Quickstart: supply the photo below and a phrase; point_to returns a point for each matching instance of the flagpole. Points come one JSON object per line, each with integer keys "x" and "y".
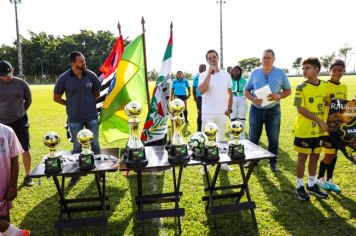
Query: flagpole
{"x": 119, "y": 27}
{"x": 144, "y": 56}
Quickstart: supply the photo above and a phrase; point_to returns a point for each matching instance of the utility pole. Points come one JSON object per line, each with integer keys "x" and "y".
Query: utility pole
{"x": 221, "y": 2}
{"x": 19, "y": 49}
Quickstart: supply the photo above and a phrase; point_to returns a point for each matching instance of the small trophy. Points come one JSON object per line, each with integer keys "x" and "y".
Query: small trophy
{"x": 178, "y": 149}
{"x": 236, "y": 149}
{"x": 53, "y": 160}
{"x": 134, "y": 152}
{"x": 86, "y": 157}
{"x": 211, "y": 151}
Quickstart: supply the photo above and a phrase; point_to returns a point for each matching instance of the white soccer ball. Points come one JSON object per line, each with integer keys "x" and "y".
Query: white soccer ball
{"x": 196, "y": 142}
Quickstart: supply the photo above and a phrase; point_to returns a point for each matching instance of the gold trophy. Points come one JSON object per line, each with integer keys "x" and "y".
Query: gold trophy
{"x": 86, "y": 157}
{"x": 178, "y": 149}
{"x": 211, "y": 151}
{"x": 236, "y": 149}
{"x": 134, "y": 152}
{"x": 53, "y": 160}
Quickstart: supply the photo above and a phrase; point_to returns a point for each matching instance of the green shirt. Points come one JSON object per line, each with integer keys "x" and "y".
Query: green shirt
{"x": 238, "y": 86}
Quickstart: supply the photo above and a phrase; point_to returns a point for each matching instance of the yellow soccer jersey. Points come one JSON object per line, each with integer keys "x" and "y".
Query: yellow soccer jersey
{"x": 311, "y": 97}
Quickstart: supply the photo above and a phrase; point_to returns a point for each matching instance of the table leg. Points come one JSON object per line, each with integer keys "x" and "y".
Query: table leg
{"x": 176, "y": 183}
{"x": 140, "y": 202}
{"x": 63, "y": 204}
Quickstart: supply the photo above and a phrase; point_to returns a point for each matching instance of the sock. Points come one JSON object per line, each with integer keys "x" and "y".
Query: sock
{"x": 185, "y": 115}
{"x": 12, "y": 231}
{"x": 311, "y": 181}
{"x": 299, "y": 182}
{"x": 322, "y": 169}
{"x": 330, "y": 169}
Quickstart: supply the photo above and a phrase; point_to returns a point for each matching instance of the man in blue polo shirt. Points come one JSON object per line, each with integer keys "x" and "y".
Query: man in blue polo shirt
{"x": 81, "y": 87}
{"x": 197, "y": 94}
{"x": 269, "y": 115}
{"x": 179, "y": 89}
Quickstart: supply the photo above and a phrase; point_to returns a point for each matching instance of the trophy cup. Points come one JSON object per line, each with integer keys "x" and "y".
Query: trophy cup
{"x": 86, "y": 157}
{"x": 236, "y": 149}
{"x": 134, "y": 152}
{"x": 53, "y": 160}
{"x": 211, "y": 151}
{"x": 178, "y": 149}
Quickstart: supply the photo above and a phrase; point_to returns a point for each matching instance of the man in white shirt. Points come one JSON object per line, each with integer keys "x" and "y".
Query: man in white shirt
{"x": 215, "y": 86}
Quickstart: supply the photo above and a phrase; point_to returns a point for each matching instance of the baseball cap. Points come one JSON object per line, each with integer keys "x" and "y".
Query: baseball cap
{"x": 5, "y": 68}
{"x": 337, "y": 62}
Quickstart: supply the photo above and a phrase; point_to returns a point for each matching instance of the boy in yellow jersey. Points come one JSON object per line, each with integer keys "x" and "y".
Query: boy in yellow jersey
{"x": 309, "y": 126}
{"x": 334, "y": 90}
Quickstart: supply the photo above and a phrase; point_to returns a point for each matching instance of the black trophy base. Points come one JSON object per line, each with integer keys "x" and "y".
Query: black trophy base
{"x": 86, "y": 162}
{"x": 211, "y": 154}
{"x": 178, "y": 154}
{"x": 53, "y": 165}
{"x": 236, "y": 152}
{"x": 135, "y": 157}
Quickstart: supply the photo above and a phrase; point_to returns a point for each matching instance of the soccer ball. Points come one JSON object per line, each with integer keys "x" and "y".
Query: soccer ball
{"x": 236, "y": 127}
{"x": 196, "y": 143}
{"x": 51, "y": 139}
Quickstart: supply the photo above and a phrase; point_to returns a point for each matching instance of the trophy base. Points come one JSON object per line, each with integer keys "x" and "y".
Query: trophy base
{"x": 135, "y": 157}
{"x": 211, "y": 154}
{"x": 53, "y": 165}
{"x": 236, "y": 152}
{"x": 86, "y": 162}
{"x": 178, "y": 154}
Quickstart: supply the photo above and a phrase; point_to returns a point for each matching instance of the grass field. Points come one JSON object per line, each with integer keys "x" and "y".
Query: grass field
{"x": 278, "y": 211}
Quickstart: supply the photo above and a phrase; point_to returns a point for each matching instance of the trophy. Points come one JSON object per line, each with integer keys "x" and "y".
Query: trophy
{"x": 86, "y": 157}
{"x": 134, "y": 152}
{"x": 53, "y": 160}
{"x": 236, "y": 149}
{"x": 178, "y": 149}
{"x": 211, "y": 151}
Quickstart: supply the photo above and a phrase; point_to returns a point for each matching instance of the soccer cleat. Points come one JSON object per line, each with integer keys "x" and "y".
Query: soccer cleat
{"x": 226, "y": 167}
{"x": 302, "y": 195}
{"x": 316, "y": 191}
{"x": 332, "y": 186}
{"x": 322, "y": 184}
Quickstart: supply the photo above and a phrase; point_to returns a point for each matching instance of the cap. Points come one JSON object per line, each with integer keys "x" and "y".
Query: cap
{"x": 5, "y": 68}
{"x": 337, "y": 62}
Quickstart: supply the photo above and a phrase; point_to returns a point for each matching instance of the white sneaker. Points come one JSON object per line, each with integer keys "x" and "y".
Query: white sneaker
{"x": 226, "y": 167}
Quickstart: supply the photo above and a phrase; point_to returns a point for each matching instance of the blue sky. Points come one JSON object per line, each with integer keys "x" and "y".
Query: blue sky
{"x": 292, "y": 28}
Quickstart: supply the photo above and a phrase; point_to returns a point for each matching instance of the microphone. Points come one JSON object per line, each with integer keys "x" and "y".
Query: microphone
{"x": 212, "y": 72}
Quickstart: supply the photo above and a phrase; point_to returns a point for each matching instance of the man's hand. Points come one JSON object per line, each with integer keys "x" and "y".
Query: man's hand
{"x": 11, "y": 193}
{"x": 273, "y": 97}
{"x": 257, "y": 101}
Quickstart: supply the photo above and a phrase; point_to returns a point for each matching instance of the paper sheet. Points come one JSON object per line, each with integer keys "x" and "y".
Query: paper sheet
{"x": 262, "y": 93}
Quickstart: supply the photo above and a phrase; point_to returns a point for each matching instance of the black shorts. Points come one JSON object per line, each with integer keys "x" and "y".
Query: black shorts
{"x": 181, "y": 97}
{"x": 20, "y": 127}
{"x": 308, "y": 145}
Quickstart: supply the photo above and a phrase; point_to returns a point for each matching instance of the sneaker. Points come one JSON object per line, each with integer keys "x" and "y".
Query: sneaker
{"x": 273, "y": 166}
{"x": 73, "y": 181}
{"x": 322, "y": 184}
{"x": 315, "y": 190}
{"x": 27, "y": 181}
{"x": 25, "y": 232}
{"x": 226, "y": 167}
{"x": 302, "y": 195}
{"x": 332, "y": 186}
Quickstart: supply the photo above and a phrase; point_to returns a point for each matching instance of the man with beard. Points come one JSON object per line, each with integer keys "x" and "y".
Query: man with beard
{"x": 81, "y": 87}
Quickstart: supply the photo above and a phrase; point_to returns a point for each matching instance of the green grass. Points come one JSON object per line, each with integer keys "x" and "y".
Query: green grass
{"x": 278, "y": 210}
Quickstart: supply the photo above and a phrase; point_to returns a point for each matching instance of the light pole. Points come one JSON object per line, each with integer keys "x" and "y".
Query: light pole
{"x": 19, "y": 50}
{"x": 221, "y": 2}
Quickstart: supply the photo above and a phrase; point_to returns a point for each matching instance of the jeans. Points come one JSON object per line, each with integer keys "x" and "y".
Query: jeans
{"x": 93, "y": 126}
{"x": 271, "y": 117}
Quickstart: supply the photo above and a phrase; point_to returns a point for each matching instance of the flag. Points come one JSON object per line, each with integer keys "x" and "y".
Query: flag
{"x": 128, "y": 84}
{"x": 155, "y": 128}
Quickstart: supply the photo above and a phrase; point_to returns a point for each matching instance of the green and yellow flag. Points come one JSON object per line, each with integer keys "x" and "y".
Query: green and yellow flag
{"x": 128, "y": 84}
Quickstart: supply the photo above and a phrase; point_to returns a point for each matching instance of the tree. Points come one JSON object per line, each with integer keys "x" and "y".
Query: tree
{"x": 344, "y": 51}
{"x": 297, "y": 64}
{"x": 326, "y": 60}
{"x": 248, "y": 64}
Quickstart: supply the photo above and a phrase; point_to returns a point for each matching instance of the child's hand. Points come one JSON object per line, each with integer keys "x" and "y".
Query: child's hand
{"x": 323, "y": 126}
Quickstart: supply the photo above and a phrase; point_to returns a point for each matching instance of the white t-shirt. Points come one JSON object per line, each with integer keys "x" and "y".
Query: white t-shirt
{"x": 215, "y": 98}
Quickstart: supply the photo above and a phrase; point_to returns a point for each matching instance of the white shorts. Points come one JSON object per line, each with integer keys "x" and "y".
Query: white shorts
{"x": 219, "y": 119}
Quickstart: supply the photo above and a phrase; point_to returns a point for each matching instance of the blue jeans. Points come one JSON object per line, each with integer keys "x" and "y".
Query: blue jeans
{"x": 271, "y": 118}
{"x": 93, "y": 126}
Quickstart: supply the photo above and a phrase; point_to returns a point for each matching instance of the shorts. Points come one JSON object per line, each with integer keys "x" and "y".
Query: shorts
{"x": 181, "y": 97}
{"x": 308, "y": 145}
{"x": 328, "y": 146}
{"x": 20, "y": 127}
